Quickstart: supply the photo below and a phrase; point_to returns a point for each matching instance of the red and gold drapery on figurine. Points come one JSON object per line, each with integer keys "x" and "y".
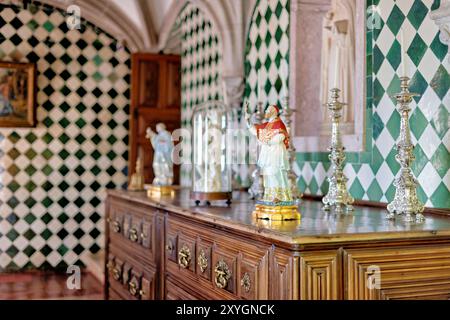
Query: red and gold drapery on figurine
{"x": 277, "y": 202}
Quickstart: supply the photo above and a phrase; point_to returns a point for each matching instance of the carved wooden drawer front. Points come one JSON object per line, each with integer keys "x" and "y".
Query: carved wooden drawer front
{"x": 398, "y": 273}
{"x": 216, "y": 263}
{"x": 130, "y": 281}
{"x": 175, "y": 292}
{"x": 133, "y": 227}
{"x": 320, "y": 275}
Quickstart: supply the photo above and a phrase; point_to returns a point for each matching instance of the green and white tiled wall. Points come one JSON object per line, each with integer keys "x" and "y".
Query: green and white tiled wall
{"x": 53, "y": 177}
{"x": 200, "y": 66}
{"x": 266, "y": 51}
{"x": 266, "y": 54}
{"x": 371, "y": 173}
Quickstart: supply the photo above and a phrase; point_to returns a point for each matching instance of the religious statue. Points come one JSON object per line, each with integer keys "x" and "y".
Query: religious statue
{"x": 162, "y": 144}
{"x": 277, "y": 202}
{"x": 338, "y": 60}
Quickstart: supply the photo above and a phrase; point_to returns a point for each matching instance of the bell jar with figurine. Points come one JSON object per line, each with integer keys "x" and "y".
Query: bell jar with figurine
{"x": 212, "y": 172}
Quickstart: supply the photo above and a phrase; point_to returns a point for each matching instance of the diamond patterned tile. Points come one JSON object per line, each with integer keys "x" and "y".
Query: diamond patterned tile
{"x": 429, "y": 122}
{"x": 201, "y": 63}
{"x": 32, "y": 192}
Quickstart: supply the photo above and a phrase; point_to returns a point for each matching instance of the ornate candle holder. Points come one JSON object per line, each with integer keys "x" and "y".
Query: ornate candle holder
{"x": 338, "y": 195}
{"x": 405, "y": 201}
{"x": 256, "y": 190}
{"x": 292, "y": 176}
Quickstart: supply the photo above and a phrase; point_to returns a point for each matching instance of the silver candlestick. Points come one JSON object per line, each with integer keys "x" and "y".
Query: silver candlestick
{"x": 292, "y": 176}
{"x": 256, "y": 190}
{"x": 405, "y": 201}
{"x": 338, "y": 195}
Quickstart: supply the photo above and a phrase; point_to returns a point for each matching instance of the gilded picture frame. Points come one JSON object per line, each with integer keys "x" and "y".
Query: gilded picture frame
{"x": 17, "y": 94}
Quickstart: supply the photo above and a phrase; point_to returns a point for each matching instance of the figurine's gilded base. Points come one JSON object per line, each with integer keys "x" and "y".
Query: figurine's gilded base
{"x": 276, "y": 212}
{"x": 153, "y": 190}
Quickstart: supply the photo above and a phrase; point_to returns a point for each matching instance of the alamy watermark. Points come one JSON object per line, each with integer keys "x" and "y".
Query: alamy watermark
{"x": 74, "y": 279}
{"x": 373, "y": 277}
{"x": 373, "y": 18}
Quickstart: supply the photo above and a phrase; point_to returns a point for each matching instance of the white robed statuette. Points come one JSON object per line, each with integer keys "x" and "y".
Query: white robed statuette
{"x": 162, "y": 144}
{"x": 277, "y": 202}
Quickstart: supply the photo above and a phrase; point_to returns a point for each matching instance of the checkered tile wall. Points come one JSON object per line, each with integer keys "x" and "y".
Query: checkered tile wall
{"x": 267, "y": 49}
{"x": 53, "y": 177}
{"x": 371, "y": 173}
{"x": 201, "y": 67}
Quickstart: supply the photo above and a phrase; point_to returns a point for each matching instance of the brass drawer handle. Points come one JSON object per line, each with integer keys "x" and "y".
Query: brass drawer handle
{"x": 116, "y": 274}
{"x": 223, "y": 274}
{"x": 110, "y": 265}
{"x": 184, "y": 257}
{"x": 246, "y": 283}
{"x": 202, "y": 261}
{"x": 133, "y": 288}
{"x": 133, "y": 235}
{"x": 116, "y": 226}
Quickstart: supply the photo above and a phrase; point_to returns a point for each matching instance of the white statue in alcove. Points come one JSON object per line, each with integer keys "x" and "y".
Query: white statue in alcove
{"x": 338, "y": 47}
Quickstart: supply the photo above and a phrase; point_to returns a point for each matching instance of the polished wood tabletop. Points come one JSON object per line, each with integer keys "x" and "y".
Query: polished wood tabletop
{"x": 316, "y": 226}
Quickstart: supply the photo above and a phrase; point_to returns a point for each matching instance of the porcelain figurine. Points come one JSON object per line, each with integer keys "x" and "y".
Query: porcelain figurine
{"x": 162, "y": 144}
{"x": 277, "y": 202}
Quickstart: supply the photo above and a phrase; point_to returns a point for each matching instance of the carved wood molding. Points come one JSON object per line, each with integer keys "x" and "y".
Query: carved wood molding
{"x": 441, "y": 17}
{"x": 107, "y": 16}
{"x": 319, "y": 276}
{"x": 397, "y": 273}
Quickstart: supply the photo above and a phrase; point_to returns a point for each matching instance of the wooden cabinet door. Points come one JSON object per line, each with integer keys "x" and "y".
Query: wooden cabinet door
{"x": 155, "y": 97}
{"x": 416, "y": 272}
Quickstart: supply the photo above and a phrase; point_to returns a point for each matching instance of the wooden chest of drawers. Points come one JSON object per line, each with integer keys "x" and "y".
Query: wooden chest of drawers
{"x": 166, "y": 248}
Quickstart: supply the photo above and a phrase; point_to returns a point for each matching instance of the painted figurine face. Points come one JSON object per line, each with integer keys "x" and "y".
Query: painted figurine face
{"x": 160, "y": 127}
{"x": 270, "y": 112}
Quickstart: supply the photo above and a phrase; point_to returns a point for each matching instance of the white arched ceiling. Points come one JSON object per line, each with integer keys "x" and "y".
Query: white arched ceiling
{"x": 110, "y": 17}
{"x": 131, "y": 9}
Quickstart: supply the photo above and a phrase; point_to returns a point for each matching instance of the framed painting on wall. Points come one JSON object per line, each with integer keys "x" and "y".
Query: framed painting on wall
{"x": 17, "y": 94}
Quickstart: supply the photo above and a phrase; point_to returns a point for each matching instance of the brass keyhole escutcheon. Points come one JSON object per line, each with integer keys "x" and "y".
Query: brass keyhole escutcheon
{"x": 170, "y": 246}
{"x": 246, "y": 282}
{"x": 223, "y": 274}
{"x": 202, "y": 261}
{"x": 184, "y": 257}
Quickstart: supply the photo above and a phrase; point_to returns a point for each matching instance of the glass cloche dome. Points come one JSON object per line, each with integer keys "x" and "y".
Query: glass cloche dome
{"x": 211, "y": 150}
